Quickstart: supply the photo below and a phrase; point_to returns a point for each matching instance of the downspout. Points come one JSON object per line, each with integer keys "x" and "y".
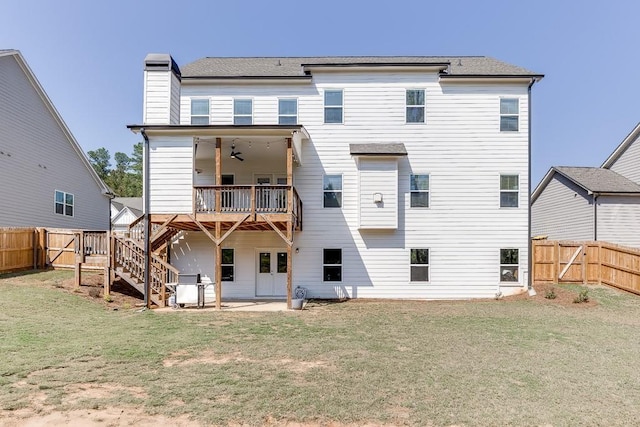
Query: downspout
{"x": 147, "y": 224}
{"x": 530, "y": 242}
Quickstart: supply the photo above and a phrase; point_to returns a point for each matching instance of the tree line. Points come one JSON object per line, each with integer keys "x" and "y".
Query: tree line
{"x": 125, "y": 178}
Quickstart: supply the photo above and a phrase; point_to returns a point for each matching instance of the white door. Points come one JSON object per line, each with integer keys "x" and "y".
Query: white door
{"x": 271, "y": 280}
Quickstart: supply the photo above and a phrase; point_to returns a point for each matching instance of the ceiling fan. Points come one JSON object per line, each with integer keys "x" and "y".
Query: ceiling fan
{"x": 235, "y": 154}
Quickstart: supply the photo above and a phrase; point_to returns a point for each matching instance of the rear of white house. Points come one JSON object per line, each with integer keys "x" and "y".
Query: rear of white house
{"x": 358, "y": 177}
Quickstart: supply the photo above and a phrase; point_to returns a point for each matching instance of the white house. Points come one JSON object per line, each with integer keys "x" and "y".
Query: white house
{"x": 124, "y": 211}
{"x": 589, "y": 203}
{"x": 358, "y": 177}
{"x": 47, "y": 180}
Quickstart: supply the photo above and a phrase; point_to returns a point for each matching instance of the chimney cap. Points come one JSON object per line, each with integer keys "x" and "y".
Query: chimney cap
{"x": 161, "y": 62}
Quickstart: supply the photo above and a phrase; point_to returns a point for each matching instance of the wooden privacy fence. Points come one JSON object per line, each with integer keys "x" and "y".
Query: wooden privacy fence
{"x": 586, "y": 262}
{"x": 34, "y": 248}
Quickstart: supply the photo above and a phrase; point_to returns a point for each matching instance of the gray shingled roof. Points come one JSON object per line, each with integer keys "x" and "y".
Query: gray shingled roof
{"x": 599, "y": 180}
{"x": 391, "y": 149}
{"x": 134, "y": 203}
{"x": 293, "y": 66}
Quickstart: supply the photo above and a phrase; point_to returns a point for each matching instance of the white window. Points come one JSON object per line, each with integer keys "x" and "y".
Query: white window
{"x": 332, "y": 265}
{"x": 199, "y": 111}
{"x": 415, "y": 105}
{"x": 333, "y": 104}
{"x": 509, "y": 114}
{"x": 332, "y": 189}
{"x": 509, "y": 261}
{"x": 419, "y": 191}
{"x": 287, "y": 111}
{"x": 63, "y": 203}
{"x": 419, "y": 265}
{"x": 509, "y": 191}
{"x": 228, "y": 266}
{"x": 242, "y": 111}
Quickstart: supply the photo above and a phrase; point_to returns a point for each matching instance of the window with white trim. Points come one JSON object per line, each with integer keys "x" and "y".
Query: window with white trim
{"x": 227, "y": 267}
{"x": 199, "y": 111}
{"x": 332, "y": 191}
{"x": 509, "y": 191}
{"x": 509, "y": 113}
{"x": 63, "y": 203}
{"x": 415, "y": 105}
{"x": 332, "y": 265}
{"x": 333, "y": 106}
{"x": 419, "y": 265}
{"x": 287, "y": 111}
{"x": 419, "y": 191}
{"x": 509, "y": 262}
{"x": 243, "y": 111}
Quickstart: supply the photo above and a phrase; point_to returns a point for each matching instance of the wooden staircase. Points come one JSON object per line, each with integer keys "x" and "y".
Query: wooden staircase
{"x": 128, "y": 264}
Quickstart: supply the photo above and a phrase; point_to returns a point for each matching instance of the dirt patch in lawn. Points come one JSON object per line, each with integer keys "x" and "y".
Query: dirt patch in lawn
{"x": 562, "y": 295}
{"x": 182, "y": 358}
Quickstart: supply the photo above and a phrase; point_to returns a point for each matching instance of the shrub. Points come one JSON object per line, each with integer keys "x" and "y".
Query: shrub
{"x": 583, "y": 296}
{"x": 550, "y": 294}
{"x": 108, "y": 298}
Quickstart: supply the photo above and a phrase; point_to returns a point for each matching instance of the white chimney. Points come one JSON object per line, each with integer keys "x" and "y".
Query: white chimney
{"x": 161, "y": 103}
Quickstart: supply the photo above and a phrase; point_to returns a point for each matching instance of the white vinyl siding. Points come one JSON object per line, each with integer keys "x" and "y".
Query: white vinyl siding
{"x": 619, "y": 220}
{"x": 627, "y": 164}
{"x": 563, "y": 211}
{"x": 378, "y": 182}
{"x": 171, "y": 175}
{"x": 462, "y": 149}
{"x": 37, "y": 158}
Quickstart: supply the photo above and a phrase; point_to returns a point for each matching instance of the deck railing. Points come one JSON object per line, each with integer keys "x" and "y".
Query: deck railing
{"x": 245, "y": 198}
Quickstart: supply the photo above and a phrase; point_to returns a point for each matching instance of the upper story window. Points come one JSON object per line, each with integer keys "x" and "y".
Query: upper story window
{"x": 63, "y": 203}
{"x": 509, "y": 260}
{"x": 419, "y": 191}
{"x": 415, "y": 105}
{"x": 332, "y": 188}
{"x": 199, "y": 111}
{"x": 509, "y": 191}
{"x": 287, "y": 111}
{"x": 242, "y": 111}
{"x": 333, "y": 106}
{"x": 509, "y": 114}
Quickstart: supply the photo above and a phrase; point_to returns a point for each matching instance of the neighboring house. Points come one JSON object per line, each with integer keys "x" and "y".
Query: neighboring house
{"x": 47, "y": 181}
{"x": 124, "y": 211}
{"x": 360, "y": 177}
{"x": 589, "y": 203}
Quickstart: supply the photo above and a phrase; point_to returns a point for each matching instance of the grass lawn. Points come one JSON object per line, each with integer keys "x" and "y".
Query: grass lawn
{"x": 522, "y": 361}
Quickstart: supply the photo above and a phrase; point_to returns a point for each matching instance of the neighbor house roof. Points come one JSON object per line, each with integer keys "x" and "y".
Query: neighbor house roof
{"x": 620, "y": 149}
{"x": 299, "y": 67}
{"x": 131, "y": 202}
{"x": 594, "y": 180}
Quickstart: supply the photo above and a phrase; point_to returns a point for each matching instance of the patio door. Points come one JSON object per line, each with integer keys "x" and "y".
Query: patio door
{"x": 271, "y": 276}
{"x": 271, "y": 199}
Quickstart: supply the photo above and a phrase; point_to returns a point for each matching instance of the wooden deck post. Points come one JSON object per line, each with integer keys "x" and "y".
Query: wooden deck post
{"x": 218, "y": 174}
{"x": 218, "y": 267}
{"x": 290, "y": 221}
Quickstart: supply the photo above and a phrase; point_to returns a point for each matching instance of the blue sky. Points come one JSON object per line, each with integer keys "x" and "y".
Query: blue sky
{"x": 88, "y": 55}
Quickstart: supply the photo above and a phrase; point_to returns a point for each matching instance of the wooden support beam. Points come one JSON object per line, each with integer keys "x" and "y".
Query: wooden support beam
{"x": 218, "y": 172}
{"x": 233, "y": 227}
{"x": 164, "y": 225}
{"x": 288, "y": 240}
{"x": 78, "y": 275}
{"x": 204, "y": 229}
{"x": 289, "y": 265}
{"x": 218, "y": 268}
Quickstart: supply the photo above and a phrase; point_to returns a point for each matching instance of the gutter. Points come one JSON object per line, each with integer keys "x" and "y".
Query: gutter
{"x": 594, "y": 197}
{"x": 147, "y": 224}
{"x": 530, "y": 242}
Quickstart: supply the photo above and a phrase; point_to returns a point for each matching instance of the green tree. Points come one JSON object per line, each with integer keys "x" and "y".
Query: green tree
{"x": 100, "y": 160}
{"x": 125, "y": 180}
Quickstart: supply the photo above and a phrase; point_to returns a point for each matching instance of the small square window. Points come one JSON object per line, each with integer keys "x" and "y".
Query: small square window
{"x": 419, "y": 265}
{"x": 242, "y": 111}
{"x": 509, "y": 114}
{"x": 199, "y": 111}
{"x": 287, "y": 111}
{"x": 509, "y": 262}
{"x": 509, "y": 192}
{"x": 63, "y": 203}
{"x": 332, "y": 191}
{"x": 415, "y": 105}
{"x": 419, "y": 191}
{"x": 332, "y": 265}
{"x": 333, "y": 106}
